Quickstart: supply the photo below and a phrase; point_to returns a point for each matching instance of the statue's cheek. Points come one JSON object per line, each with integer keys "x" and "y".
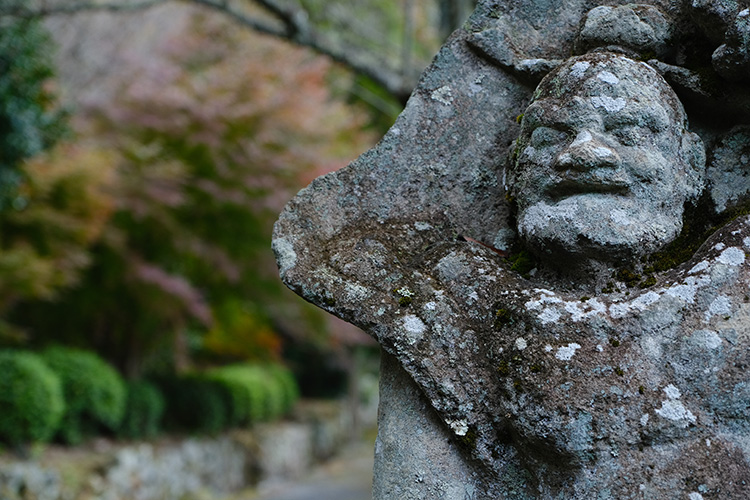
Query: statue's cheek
{"x": 647, "y": 164}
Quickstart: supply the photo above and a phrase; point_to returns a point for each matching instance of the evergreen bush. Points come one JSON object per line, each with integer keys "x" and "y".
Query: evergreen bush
{"x": 289, "y": 388}
{"x": 94, "y": 392}
{"x": 260, "y": 392}
{"x": 31, "y": 398}
{"x": 195, "y": 403}
{"x": 246, "y": 388}
{"x": 143, "y": 411}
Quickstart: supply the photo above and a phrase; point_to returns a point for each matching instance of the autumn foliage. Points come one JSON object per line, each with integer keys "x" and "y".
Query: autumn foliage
{"x": 148, "y": 239}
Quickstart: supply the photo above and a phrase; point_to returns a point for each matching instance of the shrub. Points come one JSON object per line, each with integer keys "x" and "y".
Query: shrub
{"x": 94, "y": 392}
{"x": 247, "y": 393}
{"x": 195, "y": 403}
{"x": 260, "y": 392}
{"x": 143, "y": 411}
{"x": 289, "y": 387}
{"x": 31, "y": 398}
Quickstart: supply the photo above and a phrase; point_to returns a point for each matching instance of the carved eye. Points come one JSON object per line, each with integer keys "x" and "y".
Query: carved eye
{"x": 629, "y": 135}
{"x": 546, "y": 137}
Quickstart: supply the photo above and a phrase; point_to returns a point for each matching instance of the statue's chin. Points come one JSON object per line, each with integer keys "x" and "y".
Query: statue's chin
{"x": 605, "y": 228}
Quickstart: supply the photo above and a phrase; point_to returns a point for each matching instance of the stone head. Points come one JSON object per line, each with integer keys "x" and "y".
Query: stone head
{"x": 604, "y": 164}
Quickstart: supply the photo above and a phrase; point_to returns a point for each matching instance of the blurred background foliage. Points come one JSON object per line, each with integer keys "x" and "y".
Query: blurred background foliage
{"x": 136, "y": 216}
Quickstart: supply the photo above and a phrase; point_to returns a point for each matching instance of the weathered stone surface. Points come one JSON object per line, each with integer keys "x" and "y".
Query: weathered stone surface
{"x": 640, "y": 27}
{"x": 415, "y": 455}
{"x": 583, "y": 373}
{"x": 729, "y": 170}
{"x": 727, "y": 22}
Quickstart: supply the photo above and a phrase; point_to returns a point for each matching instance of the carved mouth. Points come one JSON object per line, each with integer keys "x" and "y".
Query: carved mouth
{"x": 575, "y": 186}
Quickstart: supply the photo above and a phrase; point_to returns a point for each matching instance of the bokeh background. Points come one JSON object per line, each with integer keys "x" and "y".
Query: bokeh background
{"x": 146, "y": 148}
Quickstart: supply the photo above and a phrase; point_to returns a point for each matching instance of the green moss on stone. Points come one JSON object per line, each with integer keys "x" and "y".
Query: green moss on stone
{"x": 503, "y": 368}
{"x": 629, "y": 277}
{"x": 503, "y": 317}
{"x": 522, "y": 263}
{"x": 649, "y": 281}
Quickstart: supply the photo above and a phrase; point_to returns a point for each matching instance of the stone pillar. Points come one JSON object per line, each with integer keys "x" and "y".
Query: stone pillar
{"x": 416, "y": 457}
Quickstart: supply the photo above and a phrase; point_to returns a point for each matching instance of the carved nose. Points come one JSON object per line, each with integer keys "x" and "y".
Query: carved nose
{"x": 587, "y": 152}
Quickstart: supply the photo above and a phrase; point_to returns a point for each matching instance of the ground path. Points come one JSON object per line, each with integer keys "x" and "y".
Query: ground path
{"x": 348, "y": 476}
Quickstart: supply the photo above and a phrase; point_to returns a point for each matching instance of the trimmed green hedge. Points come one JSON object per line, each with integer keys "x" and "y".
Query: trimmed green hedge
{"x": 71, "y": 394}
{"x": 247, "y": 395}
{"x": 31, "y": 398}
{"x": 195, "y": 404}
{"x": 289, "y": 388}
{"x": 258, "y": 392}
{"x": 143, "y": 411}
{"x": 94, "y": 392}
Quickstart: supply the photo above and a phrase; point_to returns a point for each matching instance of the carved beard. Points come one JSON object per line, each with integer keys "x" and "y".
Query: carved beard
{"x": 597, "y": 227}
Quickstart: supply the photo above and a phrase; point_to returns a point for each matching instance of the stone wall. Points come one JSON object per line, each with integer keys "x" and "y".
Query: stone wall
{"x": 184, "y": 468}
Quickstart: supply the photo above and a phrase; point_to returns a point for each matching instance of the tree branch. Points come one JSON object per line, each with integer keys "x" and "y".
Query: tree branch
{"x": 298, "y": 30}
{"x": 293, "y": 25}
{"x": 29, "y": 11}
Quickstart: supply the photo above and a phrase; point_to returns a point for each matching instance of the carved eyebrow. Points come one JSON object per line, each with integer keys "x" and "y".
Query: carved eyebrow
{"x": 655, "y": 118}
{"x": 533, "y": 113}
{"x": 540, "y": 113}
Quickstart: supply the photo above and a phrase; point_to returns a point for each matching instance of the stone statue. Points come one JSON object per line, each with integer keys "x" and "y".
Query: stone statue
{"x": 525, "y": 253}
{"x": 604, "y": 164}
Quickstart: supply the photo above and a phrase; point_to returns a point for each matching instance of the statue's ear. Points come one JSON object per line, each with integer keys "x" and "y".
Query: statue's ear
{"x": 693, "y": 156}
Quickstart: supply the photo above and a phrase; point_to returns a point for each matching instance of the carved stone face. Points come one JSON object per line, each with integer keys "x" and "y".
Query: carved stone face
{"x": 604, "y": 163}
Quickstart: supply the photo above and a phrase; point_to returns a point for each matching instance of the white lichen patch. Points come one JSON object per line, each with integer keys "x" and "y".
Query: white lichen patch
{"x": 644, "y": 419}
{"x": 567, "y": 352}
{"x": 645, "y": 300}
{"x": 707, "y": 338}
{"x": 549, "y": 315}
{"x": 640, "y": 303}
{"x": 422, "y": 226}
{"x": 732, "y": 256}
{"x": 700, "y": 266}
{"x": 583, "y": 310}
{"x": 521, "y": 343}
{"x": 673, "y": 409}
{"x": 608, "y": 77}
{"x": 414, "y": 328}
{"x": 609, "y": 104}
{"x": 443, "y": 95}
{"x": 583, "y": 137}
{"x": 695, "y": 496}
{"x": 285, "y": 254}
{"x": 672, "y": 392}
{"x": 579, "y": 69}
{"x": 620, "y": 217}
{"x": 619, "y": 310}
{"x": 430, "y": 306}
{"x": 546, "y": 297}
{"x": 746, "y": 241}
{"x": 719, "y": 246}
{"x": 356, "y": 292}
{"x": 721, "y": 306}
{"x": 548, "y": 348}
{"x": 686, "y": 291}
{"x": 460, "y": 427}
{"x": 601, "y": 152}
